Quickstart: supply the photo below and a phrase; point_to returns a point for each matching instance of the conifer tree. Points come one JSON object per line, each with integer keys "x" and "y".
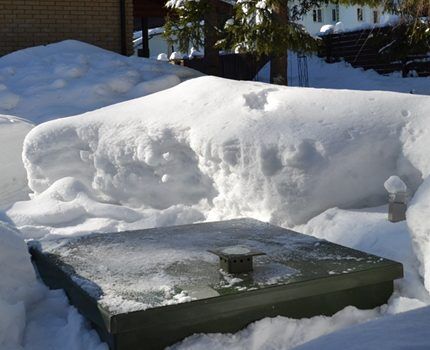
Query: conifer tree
{"x": 266, "y": 27}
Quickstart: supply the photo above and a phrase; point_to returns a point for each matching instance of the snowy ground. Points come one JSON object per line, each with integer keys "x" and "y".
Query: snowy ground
{"x": 218, "y": 149}
{"x": 342, "y": 76}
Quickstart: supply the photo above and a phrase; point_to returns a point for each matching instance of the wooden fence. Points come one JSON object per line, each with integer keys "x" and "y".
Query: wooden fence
{"x": 365, "y": 49}
{"x": 231, "y": 66}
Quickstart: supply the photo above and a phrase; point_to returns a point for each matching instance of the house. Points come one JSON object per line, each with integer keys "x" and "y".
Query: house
{"x": 352, "y": 17}
{"x": 109, "y": 23}
{"x": 105, "y": 23}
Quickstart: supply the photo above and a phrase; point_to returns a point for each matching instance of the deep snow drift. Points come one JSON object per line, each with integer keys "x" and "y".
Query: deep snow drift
{"x": 70, "y": 77}
{"x": 63, "y": 79}
{"x": 273, "y": 153}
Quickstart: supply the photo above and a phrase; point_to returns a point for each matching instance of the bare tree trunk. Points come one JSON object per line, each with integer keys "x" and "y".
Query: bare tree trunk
{"x": 279, "y": 63}
{"x": 279, "y": 70}
{"x": 211, "y": 53}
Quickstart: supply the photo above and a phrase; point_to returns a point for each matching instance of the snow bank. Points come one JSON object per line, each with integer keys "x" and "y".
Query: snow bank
{"x": 273, "y": 153}
{"x": 28, "y": 308}
{"x": 53, "y": 324}
{"x": 17, "y": 287}
{"x": 71, "y": 77}
{"x": 419, "y": 225}
{"x": 13, "y": 178}
{"x": 408, "y": 330}
{"x": 277, "y": 333}
{"x": 417, "y": 143}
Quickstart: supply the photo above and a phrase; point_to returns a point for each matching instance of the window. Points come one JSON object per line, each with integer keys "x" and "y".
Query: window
{"x": 375, "y": 17}
{"x": 335, "y": 14}
{"x": 360, "y": 14}
{"x": 317, "y": 15}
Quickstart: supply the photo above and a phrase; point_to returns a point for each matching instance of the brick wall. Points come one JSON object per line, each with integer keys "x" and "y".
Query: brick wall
{"x": 26, "y": 23}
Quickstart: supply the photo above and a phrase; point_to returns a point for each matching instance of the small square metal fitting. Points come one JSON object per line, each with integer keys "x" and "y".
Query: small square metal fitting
{"x": 236, "y": 259}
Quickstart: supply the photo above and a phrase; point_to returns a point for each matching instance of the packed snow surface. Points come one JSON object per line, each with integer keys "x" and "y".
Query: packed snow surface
{"x": 70, "y": 77}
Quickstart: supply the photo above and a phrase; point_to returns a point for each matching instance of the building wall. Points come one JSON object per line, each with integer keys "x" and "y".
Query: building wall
{"x": 347, "y": 15}
{"x": 26, "y": 23}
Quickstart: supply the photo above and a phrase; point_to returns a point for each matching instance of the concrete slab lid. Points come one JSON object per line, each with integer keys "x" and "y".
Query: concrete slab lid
{"x": 147, "y": 269}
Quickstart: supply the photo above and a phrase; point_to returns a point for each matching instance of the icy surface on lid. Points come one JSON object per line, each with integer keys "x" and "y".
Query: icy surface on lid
{"x": 236, "y": 250}
{"x": 137, "y": 270}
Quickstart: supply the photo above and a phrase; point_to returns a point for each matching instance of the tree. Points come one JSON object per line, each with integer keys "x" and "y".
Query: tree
{"x": 263, "y": 27}
{"x": 415, "y": 16}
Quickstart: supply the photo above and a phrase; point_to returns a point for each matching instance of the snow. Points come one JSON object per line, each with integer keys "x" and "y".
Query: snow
{"x": 236, "y": 250}
{"x": 327, "y": 29}
{"x": 405, "y": 331}
{"x": 195, "y": 53}
{"x": 276, "y": 333}
{"x": 45, "y": 82}
{"x": 17, "y": 285}
{"x": 395, "y": 184}
{"x": 27, "y": 307}
{"x": 53, "y": 324}
{"x": 176, "y": 56}
{"x": 209, "y": 149}
{"x": 370, "y": 231}
{"x": 419, "y": 226}
{"x": 341, "y": 75}
{"x": 339, "y": 27}
{"x": 13, "y": 178}
{"x": 386, "y": 20}
{"x": 162, "y": 57}
{"x": 70, "y": 77}
{"x": 287, "y": 155}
